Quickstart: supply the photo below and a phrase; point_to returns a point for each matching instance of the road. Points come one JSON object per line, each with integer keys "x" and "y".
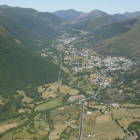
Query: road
{"x": 97, "y": 91}
{"x": 82, "y": 109}
{"x": 81, "y": 120}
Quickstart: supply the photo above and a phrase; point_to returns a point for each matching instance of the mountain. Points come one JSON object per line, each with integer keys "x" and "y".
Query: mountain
{"x": 95, "y": 23}
{"x": 126, "y": 15}
{"x": 95, "y": 14}
{"x": 119, "y": 17}
{"x": 117, "y": 39}
{"x": 69, "y": 14}
{"x": 20, "y": 67}
{"x": 51, "y": 19}
{"x": 125, "y": 44}
{"x": 4, "y": 6}
{"x": 34, "y": 29}
{"x": 132, "y": 14}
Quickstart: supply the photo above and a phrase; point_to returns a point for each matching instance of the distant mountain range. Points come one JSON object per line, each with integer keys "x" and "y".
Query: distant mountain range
{"x": 73, "y": 14}
{"x": 69, "y": 14}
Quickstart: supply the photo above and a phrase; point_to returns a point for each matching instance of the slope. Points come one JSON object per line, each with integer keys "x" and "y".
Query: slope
{"x": 20, "y": 68}
{"x": 68, "y": 14}
{"x": 94, "y": 24}
{"x": 34, "y": 29}
{"x": 117, "y": 39}
{"x": 125, "y": 44}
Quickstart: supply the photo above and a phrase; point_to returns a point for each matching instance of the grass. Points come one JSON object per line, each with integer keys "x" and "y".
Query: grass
{"x": 48, "y": 105}
{"x": 23, "y": 134}
{"x": 10, "y": 121}
{"x": 126, "y": 122}
{"x": 7, "y": 127}
{"x": 106, "y": 130}
{"x": 25, "y": 99}
{"x": 60, "y": 115}
{"x": 74, "y": 134}
{"x": 7, "y": 136}
{"x": 91, "y": 118}
{"x": 85, "y": 87}
{"x": 58, "y": 130}
{"x": 129, "y": 105}
{"x": 124, "y": 112}
{"x": 51, "y": 90}
{"x": 66, "y": 113}
{"x": 103, "y": 107}
{"x": 40, "y": 129}
{"x": 1, "y": 102}
{"x": 66, "y": 89}
{"x": 104, "y": 118}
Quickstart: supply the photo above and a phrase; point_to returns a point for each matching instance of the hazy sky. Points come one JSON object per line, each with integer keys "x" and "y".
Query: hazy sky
{"x": 109, "y": 6}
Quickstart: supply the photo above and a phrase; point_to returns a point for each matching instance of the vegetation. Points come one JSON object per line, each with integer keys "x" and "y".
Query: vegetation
{"x": 33, "y": 29}
{"x": 135, "y": 126}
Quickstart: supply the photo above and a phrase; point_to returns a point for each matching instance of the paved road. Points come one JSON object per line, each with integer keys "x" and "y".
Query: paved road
{"x": 81, "y": 120}
{"x": 97, "y": 91}
{"x": 82, "y": 109}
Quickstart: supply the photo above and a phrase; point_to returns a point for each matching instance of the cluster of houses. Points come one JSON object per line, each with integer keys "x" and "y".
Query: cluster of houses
{"x": 134, "y": 137}
{"x": 67, "y": 40}
{"x": 112, "y": 63}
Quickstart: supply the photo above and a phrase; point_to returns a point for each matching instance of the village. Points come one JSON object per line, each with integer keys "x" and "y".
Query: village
{"x": 86, "y": 70}
{"x": 87, "y": 60}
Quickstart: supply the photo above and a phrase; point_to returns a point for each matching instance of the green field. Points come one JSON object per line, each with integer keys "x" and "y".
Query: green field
{"x": 106, "y": 130}
{"x": 48, "y": 105}
{"x": 124, "y": 112}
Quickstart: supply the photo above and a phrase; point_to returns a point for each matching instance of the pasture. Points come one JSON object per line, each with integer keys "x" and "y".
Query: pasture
{"x": 124, "y": 112}
{"x": 106, "y": 130}
{"x": 48, "y": 105}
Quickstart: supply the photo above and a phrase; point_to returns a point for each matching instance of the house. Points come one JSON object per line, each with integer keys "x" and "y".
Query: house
{"x": 89, "y": 112}
{"x": 115, "y": 104}
{"x": 88, "y": 135}
{"x": 138, "y": 116}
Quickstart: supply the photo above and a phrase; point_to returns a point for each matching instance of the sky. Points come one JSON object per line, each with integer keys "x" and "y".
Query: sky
{"x": 109, "y": 6}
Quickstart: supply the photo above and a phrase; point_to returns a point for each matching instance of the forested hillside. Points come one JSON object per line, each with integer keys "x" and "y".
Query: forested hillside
{"x": 34, "y": 29}
{"x": 20, "y": 67}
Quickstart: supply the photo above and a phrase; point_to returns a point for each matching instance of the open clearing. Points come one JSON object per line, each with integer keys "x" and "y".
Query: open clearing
{"x": 51, "y": 90}
{"x": 48, "y": 105}
{"x": 7, "y": 127}
{"x": 25, "y": 99}
{"x": 124, "y": 112}
{"x": 103, "y": 107}
{"x": 1, "y": 102}
{"x": 58, "y": 130}
{"x": 104, "y": 118}
{"x": 91, "y": 118}
{"x": 126, "y": 122}
{"x": 66, "y": 89}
